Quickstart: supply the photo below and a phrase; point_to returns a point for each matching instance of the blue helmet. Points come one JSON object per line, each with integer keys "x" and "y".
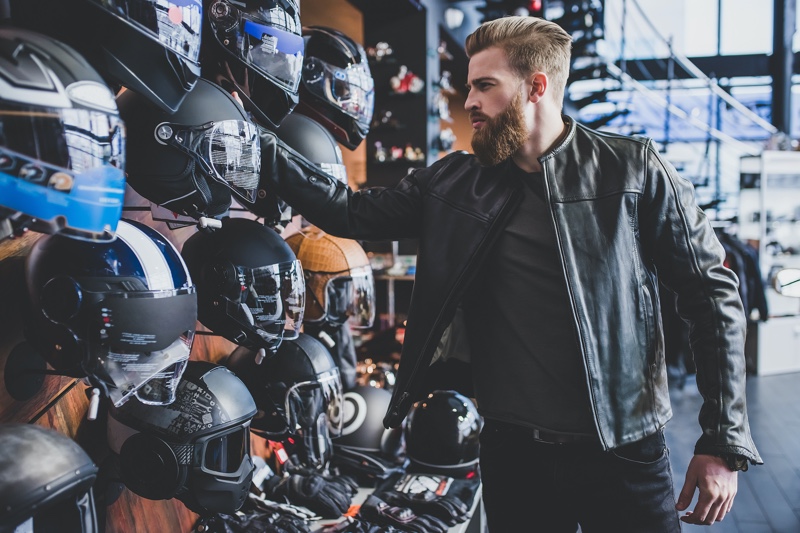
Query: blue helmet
{"x": 121, "y": 313}
{"x": 62, "y": 142}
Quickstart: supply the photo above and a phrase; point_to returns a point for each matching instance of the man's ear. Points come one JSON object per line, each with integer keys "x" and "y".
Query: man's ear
{"x": 537, "y": 86}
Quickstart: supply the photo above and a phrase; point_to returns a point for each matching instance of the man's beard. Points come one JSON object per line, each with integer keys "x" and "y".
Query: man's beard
{"x": 501, "y": 136}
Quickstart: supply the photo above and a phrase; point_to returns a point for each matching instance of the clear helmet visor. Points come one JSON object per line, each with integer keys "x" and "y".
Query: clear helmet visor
{"x": 311, "y": 403}
{"x": 176, "y": 24}
{"x": 136, "y": 337}
{"x": 228, "y": 151}
{"x": 351, "y": 89}
{"x": 273, "y": 297}
{"x": 336, "y": 170}
{"x": 270, "y": 44}
{"x": 346, "y": 297}
{"x": 64, "y": 167}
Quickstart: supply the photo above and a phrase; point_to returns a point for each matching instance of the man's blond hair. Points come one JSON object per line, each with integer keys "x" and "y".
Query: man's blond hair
{"x": 531, "y": 44}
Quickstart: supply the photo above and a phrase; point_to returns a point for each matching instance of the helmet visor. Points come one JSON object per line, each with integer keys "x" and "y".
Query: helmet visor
{"x": 64, "y": 167}
{"x": 137, "y": 336}
{"x": 336, "y": 170}
{"x": 176, "y": 24}
{"x": 275, "y": 298}
{"x": 270, "y": 44}
{"x": 352, "y": 298}
{"x": 229, "y": 151}
{"x": 351, "y": 89}
{"x": 224, "y": 454}
{"x": 307, "y": 401}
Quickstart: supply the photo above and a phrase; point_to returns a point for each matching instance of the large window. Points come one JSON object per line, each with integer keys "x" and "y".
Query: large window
{"x": 640, "y": 29}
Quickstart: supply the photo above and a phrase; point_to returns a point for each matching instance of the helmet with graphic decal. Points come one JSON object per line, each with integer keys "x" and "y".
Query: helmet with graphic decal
{"x": 255, "y": 47}
{"x": 62, "y": 142}
{"x": 149, "y": 46}
{"x": 121, "y": 313}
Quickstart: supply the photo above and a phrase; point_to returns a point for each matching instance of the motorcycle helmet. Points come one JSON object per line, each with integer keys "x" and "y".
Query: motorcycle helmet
{"x": 298, "y": 392}
{"x": 311, "y": 140}
{"x": 250, "y": 285}
{"x": 45, "y": 481}
{"x": 442, "y": 435}
{"x": 362, "y": 423}
{"x": 149, "y": 46}
{"x": 62, "y": 142}
{"x": 337, "y": 88}
{"x": 339, "y": 283}
{"x": 121, "y": 313}
{"x": 196, "y": 449}
{"x": 192, "y": 160}
{"x": 255, "y": 47}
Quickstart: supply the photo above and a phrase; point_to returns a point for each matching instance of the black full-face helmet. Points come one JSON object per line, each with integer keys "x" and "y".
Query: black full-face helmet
{"x": 255, "y": 47}
{"x": 196, "y": 449}
{"x": 192, "y": 160}
{"x": 250, "y": 285}
{"x": 316, "y": 143}
{"x": 442, "y": 435}
{"x": 45, "y": 482}
{"x": 337, "y": 89}
{"x": 121, "y": 313}
{"x": 149, "y": 46}
{"x": 62, "y": 142}
{"x": 298, "y": 392}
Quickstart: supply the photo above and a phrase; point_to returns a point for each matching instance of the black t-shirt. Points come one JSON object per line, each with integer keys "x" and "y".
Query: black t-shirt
{"x": 527, "y": 366}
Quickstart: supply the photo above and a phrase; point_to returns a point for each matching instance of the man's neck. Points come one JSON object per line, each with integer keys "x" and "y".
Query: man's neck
{"x": 545, "y": 137}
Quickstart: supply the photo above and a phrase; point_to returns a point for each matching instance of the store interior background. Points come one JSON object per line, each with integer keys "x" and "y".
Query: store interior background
{"x": 633, "y": 74}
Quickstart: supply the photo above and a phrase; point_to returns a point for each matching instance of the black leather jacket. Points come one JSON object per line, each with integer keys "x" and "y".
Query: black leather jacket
{"x": 624, "y": 221}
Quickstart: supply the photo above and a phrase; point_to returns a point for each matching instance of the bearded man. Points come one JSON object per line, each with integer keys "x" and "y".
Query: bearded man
{"x": 540, "y": 258}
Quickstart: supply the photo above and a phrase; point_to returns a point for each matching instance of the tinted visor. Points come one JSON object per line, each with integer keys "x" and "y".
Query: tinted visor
{"x": 270, "y": 44}
{"x": 64, "y": 167}
{"x": 229, "y": 151}
{"x": 274, "y": 295}
{"x": 224, "y": 454}
{"x": 176, "y": 24}
{"x": 351, "y": 89}
{"x": 307, "y": 401}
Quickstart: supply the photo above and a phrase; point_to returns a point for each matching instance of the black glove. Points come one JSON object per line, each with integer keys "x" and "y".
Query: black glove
{"x": 379, "y": 512}
{"x": 447, "y": 508}
{"x": 251, "y": 522}
{"x": 354, "y": 525}
{"x": 330, "y": 498}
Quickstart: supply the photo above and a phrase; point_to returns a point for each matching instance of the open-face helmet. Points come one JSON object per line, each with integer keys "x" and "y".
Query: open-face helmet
{"x": 255, "y": 47}
{"x": 190, "y": 161}
{"x": 149, "y": 46}
{"x": 337, "y": 88}
{"x": 442, "y": 435}
{"x": 339, "y": 283}
{"x": 62, "y": 142}
{"x": 298, "y": 392}
{"x": 45, "y": 481}
{"x": 122, "y": 313}
{"x": 250, "y": 285}
{"x": 313, "y": 141}
{"x": 196, "y": 449}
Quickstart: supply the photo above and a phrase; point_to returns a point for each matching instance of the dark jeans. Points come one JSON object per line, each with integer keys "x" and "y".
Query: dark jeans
{"x": 534, "y": 487}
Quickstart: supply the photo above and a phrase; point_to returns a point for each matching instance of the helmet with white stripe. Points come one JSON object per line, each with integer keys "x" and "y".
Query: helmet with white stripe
{"x": 121, "y": 313}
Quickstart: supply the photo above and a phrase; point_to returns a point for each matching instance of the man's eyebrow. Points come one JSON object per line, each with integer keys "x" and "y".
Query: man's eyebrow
{"x": 479, "y": 80}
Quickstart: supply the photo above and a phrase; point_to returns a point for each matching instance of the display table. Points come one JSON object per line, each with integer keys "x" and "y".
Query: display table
{"x": 476, "y": 523}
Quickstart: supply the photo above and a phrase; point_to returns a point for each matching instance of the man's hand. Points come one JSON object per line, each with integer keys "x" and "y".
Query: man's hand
{"x": 717, "y": 484}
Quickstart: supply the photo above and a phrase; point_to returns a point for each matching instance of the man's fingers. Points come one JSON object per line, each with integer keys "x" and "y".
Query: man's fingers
{"x": 685, "y": 497}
